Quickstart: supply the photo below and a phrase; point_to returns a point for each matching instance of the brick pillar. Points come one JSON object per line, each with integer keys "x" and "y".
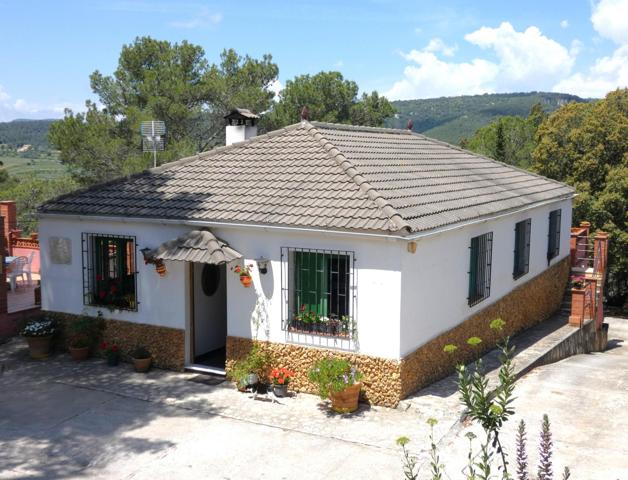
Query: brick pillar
{"x": 6, "y": 327}
{"x": 586, "y": 225}
{"x": 8, "y": 210}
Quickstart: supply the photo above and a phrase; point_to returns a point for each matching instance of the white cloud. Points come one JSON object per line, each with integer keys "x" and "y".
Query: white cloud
{"x": 204, "y": 18}
{"x": 339, "y": 64}
{"x": 276, "y": 86}
{"x": 526, "y": 60}
{"x": 610, "y": 20}
{"x": 564, "y": 23}
{"x": 11, "y": 108}
{"x": 437, "y": 45}
{"x": 607, "y": 74}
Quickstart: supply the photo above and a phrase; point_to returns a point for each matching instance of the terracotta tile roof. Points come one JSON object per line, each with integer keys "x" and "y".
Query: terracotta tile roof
{"x": 199, "y": 246}
{"x": 322, "y": 176}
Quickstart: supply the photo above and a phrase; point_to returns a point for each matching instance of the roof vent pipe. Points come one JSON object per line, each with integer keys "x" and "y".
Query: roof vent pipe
{"x": 241, "y": 125}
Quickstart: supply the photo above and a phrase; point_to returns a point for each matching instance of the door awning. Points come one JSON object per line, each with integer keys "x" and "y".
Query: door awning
{"x": 199, "y": 246}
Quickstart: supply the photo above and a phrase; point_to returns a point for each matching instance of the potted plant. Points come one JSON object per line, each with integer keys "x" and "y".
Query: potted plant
{"x": 248, "y": 371}
{"x": 82, "y": 332}
{"x": 339, "y": 381}
{"x": 111, "y": 352}
{"x": 280, "y": 378}
{"x": 141, "y": 359}
{"x": 244, "y": 272}
{"x": 38, "y": 334}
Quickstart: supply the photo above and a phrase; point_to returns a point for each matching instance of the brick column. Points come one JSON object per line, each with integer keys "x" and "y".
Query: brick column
{"x": 6, "y": 327}
{"x": 8, "y": 210}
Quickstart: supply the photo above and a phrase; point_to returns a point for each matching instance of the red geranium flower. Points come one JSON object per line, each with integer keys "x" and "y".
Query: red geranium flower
{"x": 98, "y": 278}
{"x": 103, "y": 346}
{"x": 114, "y": 348}
{"x": 102, "y": 294}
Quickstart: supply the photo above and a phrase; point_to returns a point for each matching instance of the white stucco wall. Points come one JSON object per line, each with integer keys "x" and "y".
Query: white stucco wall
{"x": 435, "y": 280}
{"x": 165, "y": 301}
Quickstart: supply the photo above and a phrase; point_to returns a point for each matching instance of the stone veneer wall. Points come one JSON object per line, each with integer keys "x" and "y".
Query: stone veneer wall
{"x": 166, "y": 345}
{"x": 525, "y": 306}
{"x": 389, "y": 381}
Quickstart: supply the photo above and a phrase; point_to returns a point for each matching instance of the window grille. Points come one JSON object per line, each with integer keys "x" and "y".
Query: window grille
{"x": 109, "y": 271}
{"x": 318, "y": 291}
{"x": 522, "y": 248}
{"x": 481, "y": 251}
{"x": 553, "y": 240}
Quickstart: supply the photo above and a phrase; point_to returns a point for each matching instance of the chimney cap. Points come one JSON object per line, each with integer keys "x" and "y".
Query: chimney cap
{"x": 239, "y": 116}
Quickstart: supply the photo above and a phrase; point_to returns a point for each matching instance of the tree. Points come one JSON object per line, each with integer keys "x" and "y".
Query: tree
{"x": 156, "y": 79}
{"x": 586, "y": 145}
{"x": 329, "y": 98}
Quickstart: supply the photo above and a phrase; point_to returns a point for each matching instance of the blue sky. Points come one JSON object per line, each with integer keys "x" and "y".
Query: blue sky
{"x": 409, "y": 49}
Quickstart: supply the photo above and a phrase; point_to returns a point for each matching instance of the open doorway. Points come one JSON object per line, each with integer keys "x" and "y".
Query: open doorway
{"x": 209, "y": 317}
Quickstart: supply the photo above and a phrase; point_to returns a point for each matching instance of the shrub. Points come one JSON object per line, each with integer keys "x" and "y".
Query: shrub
{"x": 333, "y": 374}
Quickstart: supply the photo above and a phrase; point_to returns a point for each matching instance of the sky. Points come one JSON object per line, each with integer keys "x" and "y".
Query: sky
{"x": 403, "y": 49}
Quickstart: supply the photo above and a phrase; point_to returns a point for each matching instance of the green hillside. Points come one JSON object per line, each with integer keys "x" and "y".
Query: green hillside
{"x": 25, "y": 132}
{"x": 452, "y": 118}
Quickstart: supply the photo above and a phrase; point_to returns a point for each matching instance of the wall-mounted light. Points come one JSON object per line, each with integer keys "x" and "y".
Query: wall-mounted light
{"x": 262, "y": 265}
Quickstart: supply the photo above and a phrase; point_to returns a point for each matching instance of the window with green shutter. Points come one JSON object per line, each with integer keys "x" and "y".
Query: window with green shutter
{"x": 553, "y": 237}
{"x": 317, "y": 290}
{"x": 109, "y": 271}
{"x": 522, "y": 248}
{"x": 480, "y": 253}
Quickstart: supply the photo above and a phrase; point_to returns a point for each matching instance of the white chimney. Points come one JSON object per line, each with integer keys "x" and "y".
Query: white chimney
{"x": 241, "y": 125}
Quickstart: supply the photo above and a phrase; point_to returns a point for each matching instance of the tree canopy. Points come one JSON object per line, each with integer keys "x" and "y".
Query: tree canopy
{"x": 329, "y": 98}
{"x": 586, "y": 145}
{"x": 159, "y": 80}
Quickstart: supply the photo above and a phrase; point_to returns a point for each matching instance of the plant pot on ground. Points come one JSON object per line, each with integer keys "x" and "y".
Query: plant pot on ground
{"x": 79, "y": 348}
{"x": 142, "y": 359}
{"x": 82, "y": 334}
{"x": 280, "y": 378}
{"x": 248, "y": 371}
{"x": 339, "y": 381}
{"x": 38, "y": 334}
{"x": 111, "y": 353}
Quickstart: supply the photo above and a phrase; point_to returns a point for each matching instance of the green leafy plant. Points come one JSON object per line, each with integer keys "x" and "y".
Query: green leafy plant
{"x": 140, "y": 353}
{"x": 257, "y": 361}
{"x": 333, "y": 374}
{"x": 409, "y": 461}
{"x": 83, "y": 331}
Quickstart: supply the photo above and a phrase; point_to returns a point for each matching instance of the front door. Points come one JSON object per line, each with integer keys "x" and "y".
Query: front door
{"x": 209, "y": 315}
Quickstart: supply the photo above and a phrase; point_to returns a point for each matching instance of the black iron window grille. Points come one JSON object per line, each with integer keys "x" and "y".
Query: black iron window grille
{"x": 318, "y": 292}
{"x": 553, "y": 236}
{"x": 109, "y": 271}
{"x": 480, "y": 268}
{"x": 522, "y": 248}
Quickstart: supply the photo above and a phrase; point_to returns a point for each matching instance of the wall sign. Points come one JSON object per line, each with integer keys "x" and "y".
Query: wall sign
{"x": 60, "y": 249}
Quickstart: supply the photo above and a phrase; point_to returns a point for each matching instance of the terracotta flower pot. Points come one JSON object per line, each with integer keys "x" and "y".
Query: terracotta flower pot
{"x": 39, "y": 347}
{"x": 79, "y": 354}
{"x": 246, "y": 280}
{"x": 346, "y": 401}
{"x": 142, "y": 365}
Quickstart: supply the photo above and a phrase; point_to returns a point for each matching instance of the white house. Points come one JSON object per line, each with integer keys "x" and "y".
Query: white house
{"x": 371, "y": 243}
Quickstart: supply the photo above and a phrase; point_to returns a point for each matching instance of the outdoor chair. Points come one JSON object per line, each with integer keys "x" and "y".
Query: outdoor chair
{"x": 18, "y": 268}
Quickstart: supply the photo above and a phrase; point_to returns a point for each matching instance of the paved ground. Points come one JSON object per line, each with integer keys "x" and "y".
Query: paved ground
{"x": 60, "y": 419}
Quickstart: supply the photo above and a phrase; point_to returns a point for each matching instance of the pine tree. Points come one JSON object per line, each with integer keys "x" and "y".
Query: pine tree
{"x": 500, "y": 143}
{"x": 545, "y": 451}
{"x": 522, "y": 456}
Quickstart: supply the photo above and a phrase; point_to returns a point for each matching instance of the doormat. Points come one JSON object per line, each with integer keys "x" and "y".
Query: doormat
{"x": 207, "y": 379}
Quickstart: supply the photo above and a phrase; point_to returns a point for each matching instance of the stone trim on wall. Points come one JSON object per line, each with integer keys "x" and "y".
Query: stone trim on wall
{"x": 166, "y": 345}
{"x": 525, "y": 306}
{"x": 381, "y": 375}
{"x": 388, "y": 381}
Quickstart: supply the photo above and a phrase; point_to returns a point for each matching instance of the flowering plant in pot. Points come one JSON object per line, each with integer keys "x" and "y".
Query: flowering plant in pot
{"x": 245, "y": 274}
{"x": 142, "y": 359}
{"x": 247, "y": 371}
{"x": 280, "y": 377}
{"x": 339, "y": 381}
{"x": 111, "y": 352}
{"x": 38, "y": 334}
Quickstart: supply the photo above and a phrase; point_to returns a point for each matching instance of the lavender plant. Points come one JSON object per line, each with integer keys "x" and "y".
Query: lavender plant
{"x": 522, "y": 455}
{"x": 545, "y": 451}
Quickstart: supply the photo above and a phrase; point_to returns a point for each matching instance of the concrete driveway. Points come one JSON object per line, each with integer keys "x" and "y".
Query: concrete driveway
{"x": 60, "y": 419}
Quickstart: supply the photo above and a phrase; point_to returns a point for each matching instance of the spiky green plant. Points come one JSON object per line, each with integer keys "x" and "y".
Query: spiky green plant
{"x": 545, "y": 451}
{"x": 522, "y": 455}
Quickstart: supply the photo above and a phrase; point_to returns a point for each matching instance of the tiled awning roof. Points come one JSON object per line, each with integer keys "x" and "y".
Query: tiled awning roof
{"x": 199, "y": 246}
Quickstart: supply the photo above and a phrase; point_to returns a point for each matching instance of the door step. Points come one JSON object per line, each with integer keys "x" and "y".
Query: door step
{"x": 197, "y": 368}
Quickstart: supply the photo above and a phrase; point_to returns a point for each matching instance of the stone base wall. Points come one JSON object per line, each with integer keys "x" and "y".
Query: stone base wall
{"x": 166, "y": 345}
{"x": 381, "y": 376}
{"x": 389, "y": 381}
{"x": 529, "y": 304}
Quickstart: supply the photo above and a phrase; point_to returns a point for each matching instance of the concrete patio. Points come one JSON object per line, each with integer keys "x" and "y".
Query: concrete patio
{"x": 62, "y": 419}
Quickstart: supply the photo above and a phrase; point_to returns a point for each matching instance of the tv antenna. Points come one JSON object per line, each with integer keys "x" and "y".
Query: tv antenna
{"x": 153, "y": 137}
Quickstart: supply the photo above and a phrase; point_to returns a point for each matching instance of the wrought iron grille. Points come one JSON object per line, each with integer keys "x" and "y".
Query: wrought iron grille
{"x": 318, "y": 292}
{"x": 553, "y": 240}
{"x": 522, "y": 248}
{"x": 480, "y": 268}
{"x": 109, "y": 271}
